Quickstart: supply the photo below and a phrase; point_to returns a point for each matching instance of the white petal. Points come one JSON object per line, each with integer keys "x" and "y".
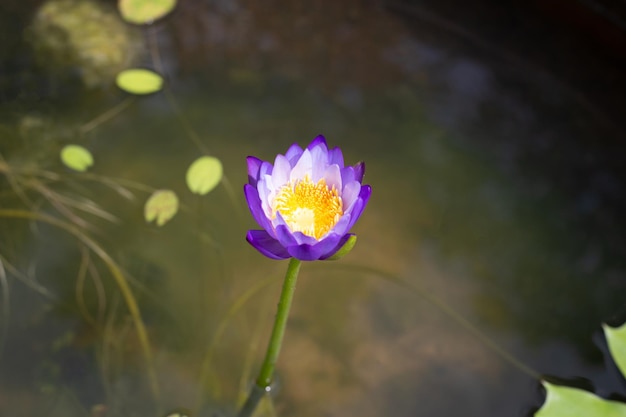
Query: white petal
{"x": 280, "y": 174}
{"x": 265, "y": 194}
{"x": 333, "y": 177}
{"x": 342, "y": 225}
{"x": 269, "y": 183}
{"x": 349, "y": 195}
{"x": 302, "y": 168}
{"x": 319, "y": 162}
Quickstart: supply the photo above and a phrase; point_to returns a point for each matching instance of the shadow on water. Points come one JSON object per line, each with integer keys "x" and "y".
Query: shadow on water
{"x": 498, "y": 188}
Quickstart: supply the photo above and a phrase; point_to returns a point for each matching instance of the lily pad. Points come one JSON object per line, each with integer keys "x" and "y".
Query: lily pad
{"x": 616, "y": 338}
{"x": 76, "y": 157}
{"x": 204, "y": 174}
{"x": 564, "y": 401}
{"x": 139, "y": 81}
{"x": 145, "y": 11}
{"x": 161, "y": 206}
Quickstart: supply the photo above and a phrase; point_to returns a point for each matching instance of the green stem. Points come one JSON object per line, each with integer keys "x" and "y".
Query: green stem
{"x": 264, "y": 380}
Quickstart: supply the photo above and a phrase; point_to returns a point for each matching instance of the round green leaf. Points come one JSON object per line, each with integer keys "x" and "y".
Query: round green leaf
{"x": 204, "y": 174}
{"x": 145, "y": 11}
{"x": 162, "y": 206}
{"x": 76, "y": 157}
{"x": 564, "y": 401}
{"x": 139, "y": 81}
{"x": 616, "y": 338}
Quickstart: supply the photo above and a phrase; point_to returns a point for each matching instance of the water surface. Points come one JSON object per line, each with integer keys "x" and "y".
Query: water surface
{"x": 497, "y": 189}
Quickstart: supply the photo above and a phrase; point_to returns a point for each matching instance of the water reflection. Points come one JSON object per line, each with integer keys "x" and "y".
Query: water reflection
{"x": 489, "y": 192}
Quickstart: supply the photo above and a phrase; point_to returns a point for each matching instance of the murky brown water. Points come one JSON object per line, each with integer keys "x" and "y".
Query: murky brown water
{"x": 495, "y": 189}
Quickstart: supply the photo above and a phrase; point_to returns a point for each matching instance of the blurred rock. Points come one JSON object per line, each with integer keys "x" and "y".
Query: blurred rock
{"x": 85, "y": 38}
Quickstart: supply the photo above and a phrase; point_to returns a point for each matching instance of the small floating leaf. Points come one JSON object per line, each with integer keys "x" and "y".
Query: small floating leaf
{"x": 162, "y": 206}
{"x": 144, "y": 11}
{"x": 566, "y": 401}
{"x": 616, "y": 338}
{"x": 204, "y": 174}
{"x": 139, "y": 81}
{"x": 76, "y": 157}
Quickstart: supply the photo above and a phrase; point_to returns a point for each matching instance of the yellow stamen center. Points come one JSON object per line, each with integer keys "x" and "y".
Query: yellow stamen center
{"x": 312, "y": 209}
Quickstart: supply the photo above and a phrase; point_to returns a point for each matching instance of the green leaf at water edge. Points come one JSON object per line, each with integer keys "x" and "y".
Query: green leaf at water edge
{"x": 204, "y": 174}
{"x": 144, "y": 11}
{"x": 616, "y": 338}
{"x": 76, "y": 157}
{"x": 564, "y": 401}
{"x": 139, "y": 81}
{"x": 162, "y": 206}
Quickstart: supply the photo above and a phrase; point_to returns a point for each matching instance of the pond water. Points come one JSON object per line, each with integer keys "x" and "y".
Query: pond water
{"x": 494, "y": 147}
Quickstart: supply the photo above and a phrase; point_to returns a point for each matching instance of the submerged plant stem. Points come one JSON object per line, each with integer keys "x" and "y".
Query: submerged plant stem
{"x": 451, "y": 313}
{"x": 205, "y": 368}
{"x": 106, "y": 116}
{"x": 118, "y": 276}
{"x": 266, "y": 373}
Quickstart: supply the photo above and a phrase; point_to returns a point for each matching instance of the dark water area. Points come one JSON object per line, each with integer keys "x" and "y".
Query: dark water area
{"x": 494, "y": 140}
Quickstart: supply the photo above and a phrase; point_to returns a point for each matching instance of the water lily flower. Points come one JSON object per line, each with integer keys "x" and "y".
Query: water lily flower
{"x": 306, "y": 202}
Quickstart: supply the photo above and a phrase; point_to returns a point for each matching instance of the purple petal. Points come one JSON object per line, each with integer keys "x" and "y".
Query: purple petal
{"x": 293, "y": 154}
{"x": 302, "y": 239}
{"x": 266, "y": 169}
{"x": 342, "y": 225}
{"x": 319, "y": 141}
{"x": 335, "y": 156}
{"x": 284, "y": 235}
{"x": 267, "y": 245}
{"x": 254, "y": 165}
{"x": 359, "y": 171}
{"x": 342, "y": 242}
{"x": 316, "y": 251}
{"x": 359, "y": 206}
{"x": 280, "y": 174}
{"x": 255, "y": 206}
{"x": 347, "y": 175}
